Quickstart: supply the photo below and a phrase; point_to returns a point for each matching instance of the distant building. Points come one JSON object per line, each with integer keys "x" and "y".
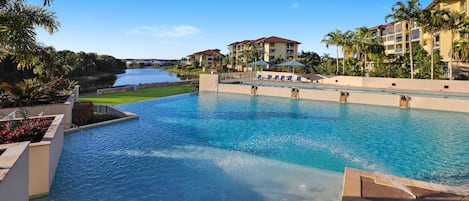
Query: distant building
{"x": 207, "y": 58}
{"x": 396, "y": 41}
{"x": 268, "y": 49}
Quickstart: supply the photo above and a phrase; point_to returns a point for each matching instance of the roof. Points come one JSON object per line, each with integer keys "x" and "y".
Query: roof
{"x": 382, "y": 26}
{"x": 275, "y": 39}
{"x": 271, "y": 39}
{"x": 207, "y": 52}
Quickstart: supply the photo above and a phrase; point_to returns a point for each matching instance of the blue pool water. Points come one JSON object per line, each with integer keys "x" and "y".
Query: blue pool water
{"x": 219, "y": 146}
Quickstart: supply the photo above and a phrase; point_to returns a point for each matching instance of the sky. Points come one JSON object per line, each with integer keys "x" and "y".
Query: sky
{"x": 172, "y": 29}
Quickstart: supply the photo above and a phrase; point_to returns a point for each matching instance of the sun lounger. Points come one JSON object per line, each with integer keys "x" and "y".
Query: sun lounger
{"x": 282, "y": 78}
{"x": 259, "y": 77}
{"x": 276, "y": 78}
{"x": 298, "y": 79}
{"x": 290, "y": 78}
{"x": 269, "y": 77}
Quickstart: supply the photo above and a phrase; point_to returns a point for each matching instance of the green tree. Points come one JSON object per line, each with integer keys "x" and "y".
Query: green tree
{"x": 17, "y": 27}
{"x": 432, "y": 23}
{"x": 347, "y": 47}
{"x": 407, "y": 12}
{"x": 461, "y": 49}
{"x": 454, "y": 22}
{"x": 334, "y": 38}
{"x": 361, "y": 44}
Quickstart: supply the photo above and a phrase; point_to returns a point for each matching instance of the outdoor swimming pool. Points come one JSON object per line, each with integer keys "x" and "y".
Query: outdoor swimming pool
{"x": 220, "y": 146}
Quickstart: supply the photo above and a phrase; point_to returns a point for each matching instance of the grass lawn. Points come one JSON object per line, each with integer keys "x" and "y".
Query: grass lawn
{"x": 139, "y": 95}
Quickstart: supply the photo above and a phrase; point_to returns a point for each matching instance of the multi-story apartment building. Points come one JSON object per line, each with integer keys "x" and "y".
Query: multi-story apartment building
{"x": 206, "y": 58}
{"x": 266, "y": 48}
{"x": 443, "y": 39}
{"x": 395, "y": 35}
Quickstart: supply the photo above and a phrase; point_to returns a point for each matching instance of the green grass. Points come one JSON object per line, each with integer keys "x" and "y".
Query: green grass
{"x": 188, "y": 72}
{"x": 139, "y": 95}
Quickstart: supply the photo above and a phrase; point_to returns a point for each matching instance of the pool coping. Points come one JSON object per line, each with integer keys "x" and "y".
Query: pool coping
{"x": 352, "y": 184}
{"x": 126, "y": 117}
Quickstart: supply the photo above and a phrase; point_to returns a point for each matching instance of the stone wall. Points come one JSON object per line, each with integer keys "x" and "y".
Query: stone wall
{"x": 140, "y": 86}
{"x": 456, "y": 86}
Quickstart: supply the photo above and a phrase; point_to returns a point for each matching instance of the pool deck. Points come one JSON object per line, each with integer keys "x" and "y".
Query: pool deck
{"x": 362, "y": 185}
{"x": 443, "y": 95}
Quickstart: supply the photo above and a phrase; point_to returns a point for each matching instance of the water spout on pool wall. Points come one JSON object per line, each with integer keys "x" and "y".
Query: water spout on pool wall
{"x": 295, "y": 93}
{"x": 401, "y": 186}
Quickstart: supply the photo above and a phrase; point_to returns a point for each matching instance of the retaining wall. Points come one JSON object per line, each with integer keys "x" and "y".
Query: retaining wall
{"x": 456, "y": 86}
{"x": 135, "y": 87}
{"x": 14, "y": 176}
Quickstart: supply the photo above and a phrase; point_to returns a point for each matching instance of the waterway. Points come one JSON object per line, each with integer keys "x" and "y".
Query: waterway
{"x": 145, "y": 75}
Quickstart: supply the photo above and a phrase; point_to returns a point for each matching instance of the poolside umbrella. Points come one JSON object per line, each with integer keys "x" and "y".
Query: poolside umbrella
{"x": 291, "y": 64}
{"x": 258, "y": 63}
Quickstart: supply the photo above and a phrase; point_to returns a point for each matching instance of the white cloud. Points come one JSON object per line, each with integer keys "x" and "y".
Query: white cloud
{"x": 177, "y": 31}
{"x": 295, "y": 5}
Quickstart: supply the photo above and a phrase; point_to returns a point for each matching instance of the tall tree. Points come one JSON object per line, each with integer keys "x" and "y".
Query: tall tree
{"x": 17, "y": 27}
{"x": 432, "y": 23}
{"x": 361, "y": 42}
{"x": 346, "y": 43}
{"x": 334, "y": 38}
{"x": 454, "y": 22}
{"x": 407, "y": 12}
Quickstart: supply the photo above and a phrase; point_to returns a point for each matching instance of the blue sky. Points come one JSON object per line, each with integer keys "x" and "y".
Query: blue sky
{"x": 171, "y": 29}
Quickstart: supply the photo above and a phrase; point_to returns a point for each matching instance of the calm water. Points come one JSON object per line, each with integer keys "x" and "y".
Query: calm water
{"x": 239, "y": 147}
{"x": 144, "y": 75}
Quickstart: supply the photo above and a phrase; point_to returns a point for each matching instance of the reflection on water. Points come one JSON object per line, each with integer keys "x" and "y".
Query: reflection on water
{"x": 145, "y": 75}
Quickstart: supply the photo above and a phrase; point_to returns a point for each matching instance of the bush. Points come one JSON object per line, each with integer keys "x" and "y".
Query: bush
{"x": 82, "y": 113}
{"x": 24, "y": 130}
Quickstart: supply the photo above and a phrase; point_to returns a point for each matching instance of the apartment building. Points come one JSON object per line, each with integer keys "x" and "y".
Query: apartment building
{"x": 396, "y": 40}
{"x": 265, "y": 48}
{"x": 443, "y": 39}
{"x": 206, "y": 58}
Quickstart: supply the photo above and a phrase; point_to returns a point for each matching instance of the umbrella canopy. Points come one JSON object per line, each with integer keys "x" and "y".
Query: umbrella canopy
{"x": 258, "y": 63}
{"x": 291, "y": 64}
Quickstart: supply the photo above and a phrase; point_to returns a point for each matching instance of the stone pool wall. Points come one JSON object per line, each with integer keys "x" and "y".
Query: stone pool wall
{"x": 456, "y": 86}
{"x": 14, "y": 171}
{"x": 210, "y": 83}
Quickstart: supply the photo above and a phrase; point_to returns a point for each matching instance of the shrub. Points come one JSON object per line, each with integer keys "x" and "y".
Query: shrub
{"x": 82, "y": 113}
{"x": 24, "y": 130}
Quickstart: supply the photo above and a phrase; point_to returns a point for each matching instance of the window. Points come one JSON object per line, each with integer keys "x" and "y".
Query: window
{"x": 390, "y": 47}
{"x": 399, "y": 40}
{"x": 272, "y": 44}
{"x": 272, "y": 50}
{"x": 415, "y": 34}
{"x": 290, "y": 45}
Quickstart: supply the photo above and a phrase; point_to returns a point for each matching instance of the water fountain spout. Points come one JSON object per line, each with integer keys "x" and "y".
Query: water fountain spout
{"x": 400, "y": 186}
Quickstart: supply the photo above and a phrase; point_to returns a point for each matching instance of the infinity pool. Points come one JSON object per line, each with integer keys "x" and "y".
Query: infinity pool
{"x": 220, "y": 146}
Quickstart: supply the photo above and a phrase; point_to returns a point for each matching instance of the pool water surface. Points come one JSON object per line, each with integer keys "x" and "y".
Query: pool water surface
{"x": 220, "y": 146}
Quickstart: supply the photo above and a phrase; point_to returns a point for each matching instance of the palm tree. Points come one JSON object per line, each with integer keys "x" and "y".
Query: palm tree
{"x": 407, "y": 12}
{"x": 461, "y": 49}
{"x": 360, "y": 43}
{"x": 432, "y": 22}
{"x": 18, "y": 36}
{"x": 346, "y": 43}
{"x": 454, "y": 22}
{"x": 334, "y": 38}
